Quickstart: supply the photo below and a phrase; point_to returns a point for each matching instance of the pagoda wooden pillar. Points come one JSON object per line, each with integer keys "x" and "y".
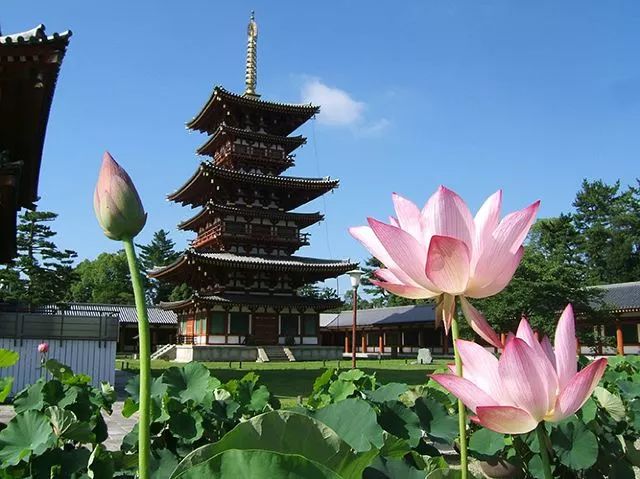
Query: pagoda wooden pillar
{"x": 364, "y": 342}
{"x": 619, "y": 339}
{"x": 346, "y": 343}
{"x": 381, "y": 342}
{"x": 503, "y": 338}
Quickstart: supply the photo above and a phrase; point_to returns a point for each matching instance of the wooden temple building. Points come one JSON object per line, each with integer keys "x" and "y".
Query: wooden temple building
{"x": 29, "y": 66}
{"x": 241, "y": 265}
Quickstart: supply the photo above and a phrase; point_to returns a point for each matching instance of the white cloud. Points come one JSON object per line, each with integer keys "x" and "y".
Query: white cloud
{"x": 374, "y": 128}
{"x": 336, "y": 105}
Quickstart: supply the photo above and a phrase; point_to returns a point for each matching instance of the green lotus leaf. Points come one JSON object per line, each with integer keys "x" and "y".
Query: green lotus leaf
{"x": 26, "y": 434}
{"x": 8, "y": 358}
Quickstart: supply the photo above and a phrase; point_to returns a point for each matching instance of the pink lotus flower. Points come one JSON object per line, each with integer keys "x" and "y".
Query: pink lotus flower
{"x": 443, "y": 251}
{"x": 116, "y": 202}
{"x": 43, "y": 348}
{"x": 531, "y": 382}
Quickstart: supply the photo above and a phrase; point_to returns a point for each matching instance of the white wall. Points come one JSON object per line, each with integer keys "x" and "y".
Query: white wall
{"x": 94, "y": 358}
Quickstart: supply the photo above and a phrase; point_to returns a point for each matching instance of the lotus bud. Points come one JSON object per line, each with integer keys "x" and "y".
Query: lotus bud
{"x": 116, "y": 202}
{"x": 43, "y": 348}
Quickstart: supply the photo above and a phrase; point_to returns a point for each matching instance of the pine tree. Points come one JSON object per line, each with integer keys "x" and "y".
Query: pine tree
{"x": 41, "y": 274}
{"x": 159, "y": 252}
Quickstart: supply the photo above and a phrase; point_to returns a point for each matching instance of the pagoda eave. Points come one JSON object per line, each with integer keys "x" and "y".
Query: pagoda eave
{"x": 201, "y": 187}
{"x": 213, "y": 210}
{"x": 221, "y": 101}
{"x": 201, "y": 261}
{"x": 252, "y": 301}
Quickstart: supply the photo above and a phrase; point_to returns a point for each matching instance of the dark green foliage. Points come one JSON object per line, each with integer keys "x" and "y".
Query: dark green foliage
{"x": 180, "y": 292}
{"x": 547, "y": 279}
{"x": 103, "y": 280}
{"x": 41, "y": 274}
{"x": 353, "y": 426}
{"x": 159, "y": 252}
{"x": 191, "y": 408}
{"x": 58, "y": 429}
{"x": 607, "y": 220}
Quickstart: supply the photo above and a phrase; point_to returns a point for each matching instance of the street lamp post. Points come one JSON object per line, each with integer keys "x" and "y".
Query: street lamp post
{"x": 355, "y": 276}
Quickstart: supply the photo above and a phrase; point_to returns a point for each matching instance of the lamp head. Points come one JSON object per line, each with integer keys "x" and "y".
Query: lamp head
{"x": 355, "y": 275}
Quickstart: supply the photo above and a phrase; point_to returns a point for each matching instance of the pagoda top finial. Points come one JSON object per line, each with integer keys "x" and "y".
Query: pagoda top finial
{"x": 251, "y": 74}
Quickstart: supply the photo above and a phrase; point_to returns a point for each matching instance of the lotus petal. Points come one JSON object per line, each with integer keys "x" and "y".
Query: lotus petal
{"x": 578, "y": 389}
{"x": 505, "y": 419}
{"x": 407, "y": 253}
{"x": 446, "y": 214}
{"x": 470, "y": 394}
{"x": 448, "y": 264}
{"x": 524, "y": 380}
{"x": 409, "y": 217}
{"x": 479, "y": 323}
{"x": 565, "y": 347}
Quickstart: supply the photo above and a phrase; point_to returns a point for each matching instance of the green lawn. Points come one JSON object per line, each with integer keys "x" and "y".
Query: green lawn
{"x": 290, "y": 380}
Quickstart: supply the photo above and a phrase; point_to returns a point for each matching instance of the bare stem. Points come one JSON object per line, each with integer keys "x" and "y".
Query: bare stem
{"x": 144, "y": 438}
{"x": 462, "y": 414}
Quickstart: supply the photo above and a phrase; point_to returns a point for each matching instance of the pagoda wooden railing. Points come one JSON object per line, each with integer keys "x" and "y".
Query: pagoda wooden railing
{"x": 259, "y": 155}
{"x": 208, "y": 235}
{"x": 219, "y": 229}
{"x": 186, "y": 339}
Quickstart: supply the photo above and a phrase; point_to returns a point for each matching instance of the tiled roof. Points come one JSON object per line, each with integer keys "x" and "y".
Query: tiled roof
{"x": 202, "y": 122}
{"x": 273, "y": 263}
{"x": 201, "y": 186}
{"x": 302, "y": 219}
{"x": 284, "y": 262}
{"x": 35, "y": 35}
{"x": 126, "y": 313}
{"x": 255, "y": 300}
{"x": 620, "y": 297}
{"x": 384, "y": 316}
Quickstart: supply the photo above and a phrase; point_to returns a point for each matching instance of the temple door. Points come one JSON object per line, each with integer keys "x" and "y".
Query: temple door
{"x": 265, "y": 329}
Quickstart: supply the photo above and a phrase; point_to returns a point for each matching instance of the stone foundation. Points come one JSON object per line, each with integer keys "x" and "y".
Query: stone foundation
{"x": 188, "y": 353}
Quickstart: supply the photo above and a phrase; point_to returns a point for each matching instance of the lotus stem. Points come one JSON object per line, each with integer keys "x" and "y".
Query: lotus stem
{"x": 544, "y": 451}
{"x": 144, "y": 439}
{"x": 462, "y": 414}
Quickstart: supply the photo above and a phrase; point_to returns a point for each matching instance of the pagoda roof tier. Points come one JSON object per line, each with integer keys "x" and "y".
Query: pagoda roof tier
{"x": 303, "y": 220}
{"x": 224, "y": 132}
{"x": 201, "y": 187}
{"x": 252, "y": 300}
{"x": 29, "y": 66}
{"x": 192, "y": 260}
{"x": 222, "y": 104}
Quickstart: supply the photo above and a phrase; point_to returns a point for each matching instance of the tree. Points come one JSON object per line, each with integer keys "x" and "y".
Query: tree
{"x": 607, "y": 220}
{"x": 41, "y": 274}
{"x": 159, "y": 252}
{"x": 181, "y": 292}
{"x": 549, "y": 277}
{"x": 103, "y": 280}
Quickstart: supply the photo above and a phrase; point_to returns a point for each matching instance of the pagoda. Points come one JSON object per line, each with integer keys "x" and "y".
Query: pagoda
{"x": 241, "y": 265}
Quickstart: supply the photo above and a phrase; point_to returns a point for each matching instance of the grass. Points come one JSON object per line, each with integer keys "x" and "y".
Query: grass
{"x": 288, "y": 381}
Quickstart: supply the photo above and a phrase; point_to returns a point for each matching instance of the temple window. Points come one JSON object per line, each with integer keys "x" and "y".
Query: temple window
{"x": 289, "y": 324}
{"x": 217, "y": 322}
{"x": 310, "y": 325}
{"x": 239, "y": 324}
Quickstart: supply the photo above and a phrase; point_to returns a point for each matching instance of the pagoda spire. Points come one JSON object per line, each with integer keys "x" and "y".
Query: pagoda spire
{"x": 251, "y": 73}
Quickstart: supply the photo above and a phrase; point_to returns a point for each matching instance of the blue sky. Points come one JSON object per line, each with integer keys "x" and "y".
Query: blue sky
{"x": 531, "y": 97}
